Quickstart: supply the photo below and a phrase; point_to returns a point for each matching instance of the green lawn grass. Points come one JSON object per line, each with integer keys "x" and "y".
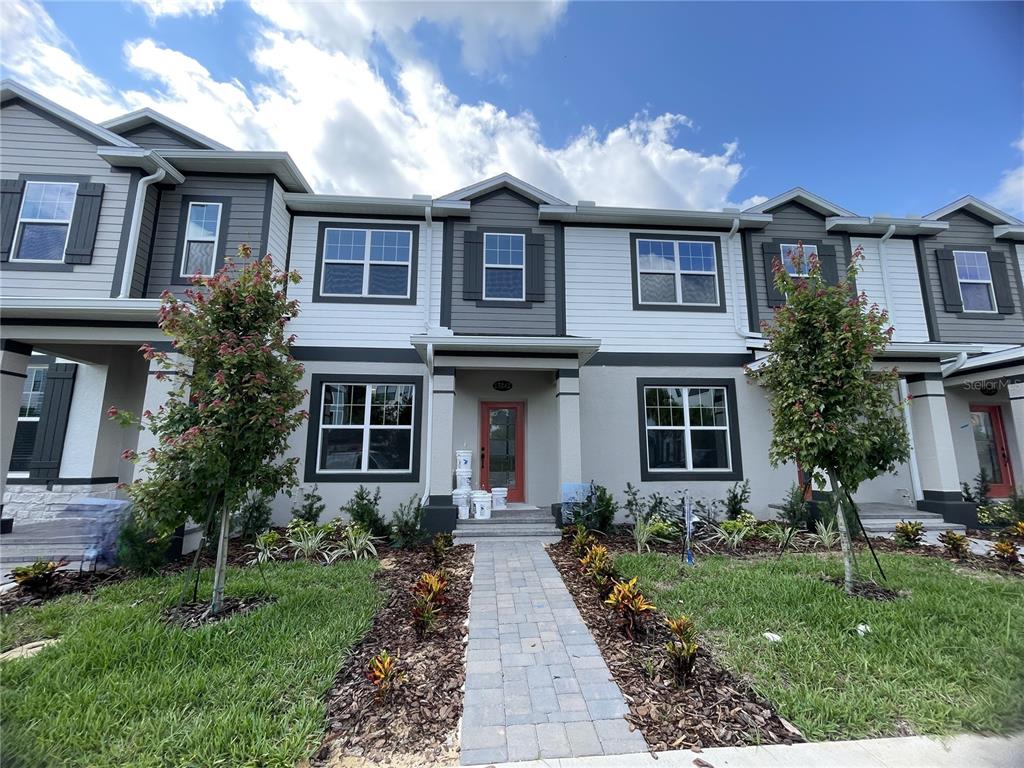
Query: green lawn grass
{"x": 124, "y": 689}
{"x": 947, "y": 658}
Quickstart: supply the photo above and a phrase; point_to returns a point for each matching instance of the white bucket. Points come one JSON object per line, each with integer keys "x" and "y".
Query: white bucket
{"x": 463, "y": 460}
{"x": 481, "y": 505}
{"x": 462, "y": 478}
{"x": 499, "y": 496}
{"x": 461, "y": 497}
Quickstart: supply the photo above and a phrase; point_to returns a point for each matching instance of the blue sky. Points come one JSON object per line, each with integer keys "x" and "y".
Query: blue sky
{"x": 894, "y": 107}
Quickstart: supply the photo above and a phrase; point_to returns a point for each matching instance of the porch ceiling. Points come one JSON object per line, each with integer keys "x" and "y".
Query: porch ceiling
{"x": 513, "y": 350}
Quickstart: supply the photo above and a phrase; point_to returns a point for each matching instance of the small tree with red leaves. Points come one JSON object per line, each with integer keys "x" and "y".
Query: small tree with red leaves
{"x": 835, "y": 413}
{"x": 233, "y": 403}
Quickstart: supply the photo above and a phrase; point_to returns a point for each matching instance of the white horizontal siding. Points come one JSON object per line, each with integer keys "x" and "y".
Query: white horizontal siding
{"x": 339, "y": 324}
{"x": 34, "y": 144}
{"x": 907, "y": 313}
{"x": 599, "y": 299}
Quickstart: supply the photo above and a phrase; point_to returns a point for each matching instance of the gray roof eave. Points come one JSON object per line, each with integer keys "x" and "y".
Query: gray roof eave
{"x": 879, "y": 225}
{"x": 137, "y": 157}
{"x": 279, "y": 164}
{"x": 369, "y": 206}
{"x": 595, "y": 214}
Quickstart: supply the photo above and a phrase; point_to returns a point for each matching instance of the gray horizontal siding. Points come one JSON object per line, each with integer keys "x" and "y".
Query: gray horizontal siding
{"x": 35, "y": 144}
{"x": 145, "y": 240}
{"x": 790, "y": 221}
{"x": 504, "y": 210}
{"x": 966, "y": 230}
{"x": 154, "y": 136}
{"x": 245, "y": 223}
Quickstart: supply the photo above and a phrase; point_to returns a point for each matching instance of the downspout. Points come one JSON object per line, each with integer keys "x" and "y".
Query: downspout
{"x": 741, "y": 331}
{"x": 427, "y": 415}
{"x": 428, "y": 214}
{"x": 956, "y": 365}
{"x": 915, "y": 477}
{"x": 881, "y": 266}
{"x": 133, "y": 232}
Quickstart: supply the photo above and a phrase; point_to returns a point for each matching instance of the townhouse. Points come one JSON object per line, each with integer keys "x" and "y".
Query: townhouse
{"x": 557, "y": 342}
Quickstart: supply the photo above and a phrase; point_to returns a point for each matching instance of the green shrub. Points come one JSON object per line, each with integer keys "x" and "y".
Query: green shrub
{"x": 39, "y": 577}
{"x": 439, "y": 547}
{"x": 909, "y": 533}
{"x": 364, "y": 508}
{"x": 407, "y": 524}
{"x": 252, "y": 517}
{"x": 955, "y": 544}
{"x": 1006, "y": 551}
{"x": 794, "y": 509}
{"x": 354, "y": 543}
{"x": 597, "y": 511}
{"x": 682, "y": 648}
{"x": 139, "y": 548}
{"x": 979, "y": 493}
{"x": 662, "y": 528}
{"x": 311, "y": 508}
{"x": 736, "y": 500}
{"x": 582, "y": 539}
{"x": 997, "y": 515}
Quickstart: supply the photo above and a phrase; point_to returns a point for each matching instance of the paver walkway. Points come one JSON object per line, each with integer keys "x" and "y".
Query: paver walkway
{"x": 536, "y": 685}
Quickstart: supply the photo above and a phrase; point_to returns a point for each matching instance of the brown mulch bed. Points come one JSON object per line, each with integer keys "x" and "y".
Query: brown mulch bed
{"x": 195, "y": 615}
{"x": 416, "y": 725}
{"x": 971, "y": 561}
{"x": 714, "y": 709}
{"x": 64, "y": 583}
{"x": 869, "y": 590}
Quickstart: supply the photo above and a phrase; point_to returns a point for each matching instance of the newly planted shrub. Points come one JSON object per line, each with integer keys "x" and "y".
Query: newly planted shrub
{"x": 682, "y": 648}
{"x": 979, "y": 493}
{"x": 1006, "y": 551}
{"x": 662, "y": 528}
{"x": 825, "y": 535}
{"x": 582, "y": 540}
{"x": 307, "y": 540}
{"x": 425, "y": 613}
{"x": 597, "y": 511}
{"x": 433, "y": 586}
{"x": 440, "y": 546}
{"x": 596, "y": 563}
{"x": 407, "y": 524}
{"x": 736, "y": 500}
{"x": 909, "y": 533}
{"x": 311, "y": 508}
{"x": 955, "y": 544}
{"x": 997, "y": 515}
{"x": 139, "y": 547}
{"x": 364, "y": 508}
{"x": 731, "y": 533}
{"x": 354, "y": 543}
{"x": 776, "y": 533}
{"x": 384, "y": 674}
{"x": 631, "y": 605}
{"x": 39, "y": 577}
{"x": 794, "y": 508}
{"x": 253, "y": 516}
{"x": 1016, "y": 531}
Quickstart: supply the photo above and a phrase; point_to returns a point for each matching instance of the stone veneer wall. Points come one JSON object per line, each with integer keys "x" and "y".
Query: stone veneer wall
{"x": 28, "y": 503}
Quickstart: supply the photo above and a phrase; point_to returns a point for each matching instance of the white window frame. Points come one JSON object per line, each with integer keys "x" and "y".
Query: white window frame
{"x": 216, "y": 239}
{"x": 678, "y": 273}
{"x": 810, "y": 249}
{"x": 366, "y": 262}
{"x": 960, "y": 281}
{"x": 520, "y": 267}
{"x": 15, "y": 251}
{"x": 29, "y": 376}
{"x": 366, "y": 428}
{"x": 688, "y": 429}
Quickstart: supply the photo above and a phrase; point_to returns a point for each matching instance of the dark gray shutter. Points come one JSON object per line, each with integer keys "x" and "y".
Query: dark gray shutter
{"x": 534, "y": 267}
{"x": 53, "y": 422}
{"x": 829, "y": 263}
{"x": 948, "y": 280}
{"x": 772, "y": 252}
{"x": 1001, "y": 282}
{"x": 10, "y": 207}
{"x": 84, "y": 222}
{"x": 472, "y": 266}
{"x": 24, "y": 445}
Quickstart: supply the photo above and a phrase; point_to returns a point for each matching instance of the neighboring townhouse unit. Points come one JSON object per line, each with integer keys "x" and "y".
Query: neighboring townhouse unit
{"x": 558, "y": 343}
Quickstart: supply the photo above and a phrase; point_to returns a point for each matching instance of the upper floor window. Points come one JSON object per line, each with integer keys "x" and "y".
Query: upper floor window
{"x": 366, "y": 262}
{"x": 680, "y": 272}
{"x": 44, "y": 220}
{"x": 504, "y": 267}
{"x": 201, "y": 234}
{"x": 974, "y": 275}
{"x": 796, "y": 264}
{"x": 366, "y": 428}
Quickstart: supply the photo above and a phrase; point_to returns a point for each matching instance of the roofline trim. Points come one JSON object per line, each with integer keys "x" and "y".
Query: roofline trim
{"x": 140, "y": 117}
{"x": 10, "y": 89}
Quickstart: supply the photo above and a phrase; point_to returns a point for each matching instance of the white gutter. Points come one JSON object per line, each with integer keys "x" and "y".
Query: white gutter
{"x": 881, "y": 266}
{"x": 915, "y": 477}
{"x": 430, "y": 431}
{"x": 956, "y": 365}
{"x": 133, "y": 232}
{"x": 429, "y": 216}
{"x": 737, "y": 279}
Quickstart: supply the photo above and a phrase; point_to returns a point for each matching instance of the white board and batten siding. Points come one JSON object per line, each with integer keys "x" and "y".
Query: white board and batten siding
{"x": 599, "y": 298}
{"x": 36, "y": 145}
{"x": 907, "y": 315}
{"x": 340, "y": 324}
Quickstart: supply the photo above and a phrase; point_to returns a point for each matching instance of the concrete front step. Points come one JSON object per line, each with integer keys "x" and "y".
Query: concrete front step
{"x": 888, "y": 525}
{"x": 509, "y": 531}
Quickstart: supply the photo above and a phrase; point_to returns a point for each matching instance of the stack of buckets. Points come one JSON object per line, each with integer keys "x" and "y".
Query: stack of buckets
{"x": 464, "y": 496}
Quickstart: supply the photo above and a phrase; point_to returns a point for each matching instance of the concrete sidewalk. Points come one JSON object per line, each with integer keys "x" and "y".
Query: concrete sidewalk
{"x": 967, "y": 751}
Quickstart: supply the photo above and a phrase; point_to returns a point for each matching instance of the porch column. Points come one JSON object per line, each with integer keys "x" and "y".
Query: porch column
{"x": 14, "y": 357}
{"x": 936, "y": 458}
{"x": 570, "y": 450}
{"x": 157, "y": 390}
{"x": 1016, "y": 392}
{"x": 440, "y": 514}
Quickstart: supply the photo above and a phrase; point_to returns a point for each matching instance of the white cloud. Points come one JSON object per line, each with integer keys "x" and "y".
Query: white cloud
{"x": 157, "y": 8}
{"x": 351, "y": 131}
{"x": 1009, "y": 193}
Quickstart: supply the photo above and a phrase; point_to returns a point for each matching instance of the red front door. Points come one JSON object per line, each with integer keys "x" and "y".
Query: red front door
{"x": 502, "y": 454}
{"x": 990, "y": 442}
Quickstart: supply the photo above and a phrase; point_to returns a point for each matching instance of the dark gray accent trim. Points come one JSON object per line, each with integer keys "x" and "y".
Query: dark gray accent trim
{"x": 942, "y": 495}
{"x": 222, "y": 235}
{"x": 152, "y": 240}
{"x": 477, "y": 353}
{"x": 929, "y": 394}
{"x": 357, "y": 354}
{"x": 51, "y": 481}
{"x": 736, "y": 459}
{"x": 952, "y": 510}
{"x": 11, "y": 345}
{"x": 567, "y": 394}
{"x": 649, "y": 227}
{"x": 673, "y": 359}
{"x": 447, "y": 266}
{"x": 749, "y": 282}
{"x": 67, "y": 323}
{"x": 35, "y": 266}
{"x": 567, "y": 373}
{"x": 268, "y": 202}
{"x": 440, "y": 515}
{"x": 13, "y": 373}
{"x": 363, "y": 215}
{"x": 85, "y": 220}
{"x": 559, "y": 279}
{"x": 312, "y": 473}
{"x": 504, "y": 304}
{"x": 11, "y": 191}
{"x": 444, "y": 371}
{"x": 534, "y": 259}
{"x": 134, "y": 176}
{"x": 53, "y": 422}
{"x": 472, "y": 265}
{"x": 980, "y": 316}
{"x": 915, "y": 377}
{"x": 926, "y": 292}
{"x": 192, "y": 143}
{"x": 50, "y": 117}
{"x": 413, "y": 264}
{"x": 444, "y": 391}
{"x": 192, "y": 174}
{"x": 639, "y": 307}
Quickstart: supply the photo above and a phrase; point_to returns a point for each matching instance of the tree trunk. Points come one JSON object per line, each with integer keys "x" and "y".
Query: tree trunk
{"x": 845, "y": 539}
{"x": 222, "y": 559}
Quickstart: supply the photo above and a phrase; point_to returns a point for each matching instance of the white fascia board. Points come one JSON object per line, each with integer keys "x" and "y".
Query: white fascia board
{"x": 10, "y": 89}
{"x": 979, "y": 207}
{"x": 925, "y": 350}
{"x": 1007, "y": 356}
{"x": 879, "y": 225}
{"x": 811, "y": 200}
{"x": 80, "y": 308}
{"x": 241, "y": 161}
{"x": 350, "y": 204}
{"x": 584, "y": 348}
{"x": 593, "y": 214}
{"x": 137, "y": 157}
{"x": 1008, "y": 232}
{"x": 503, "y": 179}
{"x": 146, "y": 115}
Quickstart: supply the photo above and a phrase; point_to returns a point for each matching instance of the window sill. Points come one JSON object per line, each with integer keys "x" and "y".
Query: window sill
{"x": 18, "y": 265}
{"x": 318, "y": 298}
{"x": 689, "y": 475}
{"x": 981, "y": 316}
{"x": 639, "y": 307}
{"x": 365, "y": 478}
{"x": 509, "y": 303}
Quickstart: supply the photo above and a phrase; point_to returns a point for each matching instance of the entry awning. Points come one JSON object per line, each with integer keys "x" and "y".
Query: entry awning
{"x": 582, "y": 349}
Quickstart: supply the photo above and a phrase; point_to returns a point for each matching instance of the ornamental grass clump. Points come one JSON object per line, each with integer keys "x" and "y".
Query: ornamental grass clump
{"x": 682, "y": 648}
{"x": 955, "y": 544}
{"x": 632, "y": 607}
{"x": 909, "y": 533}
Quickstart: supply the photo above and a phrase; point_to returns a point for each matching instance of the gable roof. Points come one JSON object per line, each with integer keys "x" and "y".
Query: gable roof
{"x": 147, "y": 116}
{"x": 979, "y": 208}
{"x": 506, "y": 181}
{"x": 11, "y": 89}
{"x": 801, "y": 195}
